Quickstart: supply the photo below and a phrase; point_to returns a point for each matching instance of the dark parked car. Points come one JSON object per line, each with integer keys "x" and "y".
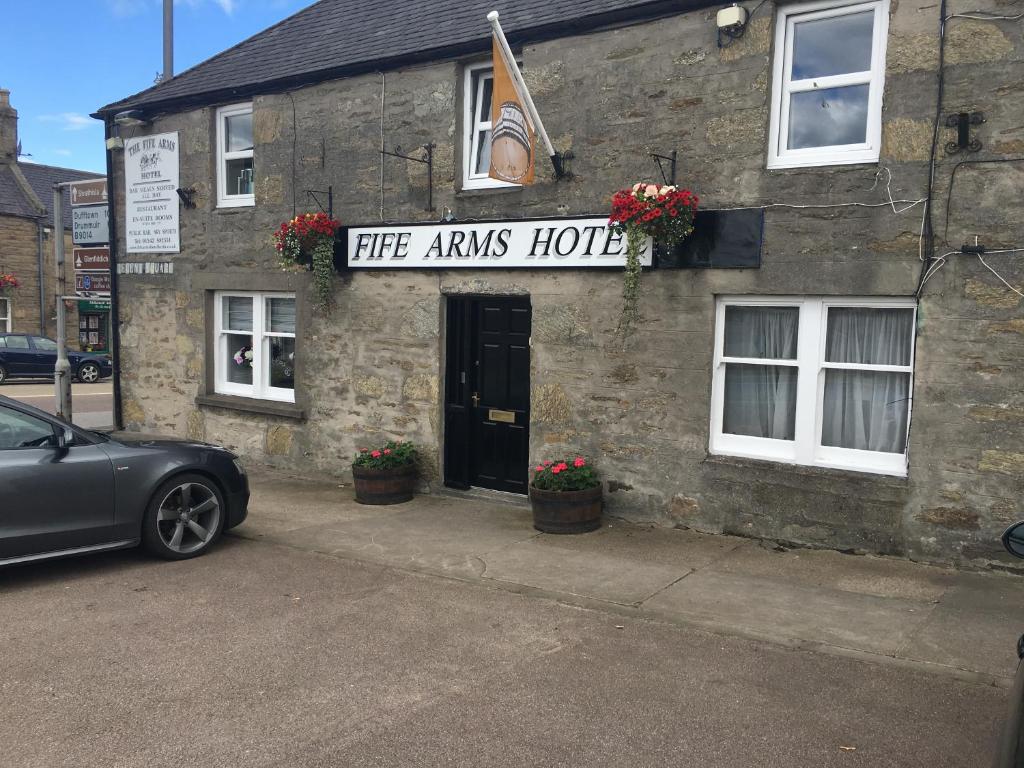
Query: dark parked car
{"x": 69, "y": 491}
{"x": 31, "y": 357}
{"x": 1011, "y": 744}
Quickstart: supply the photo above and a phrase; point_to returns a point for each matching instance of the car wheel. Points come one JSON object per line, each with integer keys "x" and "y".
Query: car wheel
{"x": 89, "y": 373}
{"x": 3, "y": 374}
{"x": 185, "y": 516}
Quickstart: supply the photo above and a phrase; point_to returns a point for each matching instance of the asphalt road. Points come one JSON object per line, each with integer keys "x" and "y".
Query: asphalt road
{"x": 263, "y": 655}
{"x": 92, "y": 405}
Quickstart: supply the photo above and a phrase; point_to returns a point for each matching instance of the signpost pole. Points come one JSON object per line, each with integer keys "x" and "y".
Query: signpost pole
{"x": 62, "y": 370}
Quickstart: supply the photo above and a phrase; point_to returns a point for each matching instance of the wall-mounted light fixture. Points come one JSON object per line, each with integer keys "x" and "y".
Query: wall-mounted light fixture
{"x": 130, "y": 118}
{"x": 187, "y": 195}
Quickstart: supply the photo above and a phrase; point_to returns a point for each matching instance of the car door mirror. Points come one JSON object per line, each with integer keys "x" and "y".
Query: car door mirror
{"x": 1013, "y": 539}
{"x": 65, "y": 439}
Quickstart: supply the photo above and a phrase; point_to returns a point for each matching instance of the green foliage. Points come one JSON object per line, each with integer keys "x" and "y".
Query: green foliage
{"x": 574, "y": 474}
{"x": 323, "y": 274}
{"x": 635, "y": 241}
{"x": 395, "y": 453}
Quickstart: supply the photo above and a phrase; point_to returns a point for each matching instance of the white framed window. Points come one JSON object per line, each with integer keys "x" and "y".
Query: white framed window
{"x": 828, "y": 79}
{"x": 822, "y": 381}
{"x": 235, "y": 156}
{"x": 478, "y": 85}
{"x": 5, "y": 315}
{"x": 255, "y": 345}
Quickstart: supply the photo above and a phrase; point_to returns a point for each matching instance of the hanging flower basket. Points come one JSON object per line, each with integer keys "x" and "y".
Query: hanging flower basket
{"x": 664, "y": 213}
{"x": 8, "y": 284}
{"x": 307, "y": 241}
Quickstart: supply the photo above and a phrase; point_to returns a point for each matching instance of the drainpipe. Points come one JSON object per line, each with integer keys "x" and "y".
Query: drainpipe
{"x": 40, "y": 258}
{"x": 115, "y": 322}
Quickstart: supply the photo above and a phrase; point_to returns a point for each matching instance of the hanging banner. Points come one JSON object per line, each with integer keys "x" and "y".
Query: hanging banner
{"x": 512, "y": 140}
{"x": 151, "y": 198}
{"x": 536, "y": 244}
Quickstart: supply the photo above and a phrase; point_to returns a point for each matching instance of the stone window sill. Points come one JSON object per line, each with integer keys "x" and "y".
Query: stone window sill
{"x": 485, "y": 191}
{"x": 252, "y": 405}
{"x": 718, "y": 460}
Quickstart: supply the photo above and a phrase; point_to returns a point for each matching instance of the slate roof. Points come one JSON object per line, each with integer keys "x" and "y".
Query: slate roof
{"x": 338, "y": 38}
{"x": 40, "y": 178}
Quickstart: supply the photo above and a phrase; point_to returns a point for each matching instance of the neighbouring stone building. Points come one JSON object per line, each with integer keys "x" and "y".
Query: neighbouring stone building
{"x": 767, "y": 390}
{"x": 26, "y": 245}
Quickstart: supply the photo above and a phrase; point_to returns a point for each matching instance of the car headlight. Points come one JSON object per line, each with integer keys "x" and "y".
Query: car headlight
{"x": 238, "y": 466}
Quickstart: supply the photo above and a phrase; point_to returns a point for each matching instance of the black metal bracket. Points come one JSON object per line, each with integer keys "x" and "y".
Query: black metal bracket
{"x": 427, "y": 160}
{"x": 671, "y": 178}
{"x": 560, "y": 162}
{"x": 187, "y": 195}
{"x": 963, "y": 121}
{"x": 314, "y": 195}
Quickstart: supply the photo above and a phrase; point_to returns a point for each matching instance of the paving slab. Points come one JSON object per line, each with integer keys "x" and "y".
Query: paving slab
{"x": 787, "y": 610}
{"x": 975, "y": 626}
{"x": 580, "y": 569}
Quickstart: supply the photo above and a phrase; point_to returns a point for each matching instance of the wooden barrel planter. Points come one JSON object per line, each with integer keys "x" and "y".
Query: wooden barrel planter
{"x": 384, "y": 486}
{"x": 566, "y": 511}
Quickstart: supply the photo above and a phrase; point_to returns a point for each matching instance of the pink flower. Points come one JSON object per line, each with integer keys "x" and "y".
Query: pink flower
{"x": 363, "y": 450}
{"x": 387, "y": 451}
{"x": 556, "y": 470}
{"x": 539, "y": 468}
{"x": 547, "y": 462}
{"x": 375, "y": 454}
{"x": 579, "y": 462}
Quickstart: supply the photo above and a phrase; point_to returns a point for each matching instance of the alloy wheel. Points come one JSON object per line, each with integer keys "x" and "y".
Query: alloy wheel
{"x": 89, "y": 373}
{"x": 188, "y": 518}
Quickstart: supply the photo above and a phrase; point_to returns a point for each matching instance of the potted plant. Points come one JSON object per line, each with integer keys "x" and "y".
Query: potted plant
{"x": 385, "y": 475}
{"x": 307, "y": 241}
{"x": 663, "y": 213}
{"x": 566, "y": 496}
{"x": 8, "y": 284}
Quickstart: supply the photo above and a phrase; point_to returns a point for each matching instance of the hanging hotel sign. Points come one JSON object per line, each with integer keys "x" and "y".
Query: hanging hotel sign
{"x": 536, "y": 244}
{"x": 151, "y": 199}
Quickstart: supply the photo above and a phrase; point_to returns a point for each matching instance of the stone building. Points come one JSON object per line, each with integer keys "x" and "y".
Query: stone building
{"x": 26, "y": 229}
{"x": 836, "y": 374}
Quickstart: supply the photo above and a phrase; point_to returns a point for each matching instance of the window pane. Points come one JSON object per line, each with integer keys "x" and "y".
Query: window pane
{"x": 866, "y": 410}
{"x": 828, "y": 117}
{"x": 834, "y": 46}
{"x": 483, "y": 152}
{"x": 767, "y": 332}
{"x": 282, "y": 362}
{"x": 238, "y": 366}
{"x": 17, "y": 342}
{"x": 869, "y": 336}
{"x": 238, "y": 176}
{"x": 282, "y": 315}
{"x": 18, "y": 430}
{"x": 760, "y": 400}
{"x": 3, "y": 342}
{"x": 237, "y": 313}
{"x": 483, "y": 112}
{"x": 47, "y": 345}
{"x": 238, "y": 130}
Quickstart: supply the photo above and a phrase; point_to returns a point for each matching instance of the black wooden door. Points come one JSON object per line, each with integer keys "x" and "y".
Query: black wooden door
{"x": 487, "y": 402}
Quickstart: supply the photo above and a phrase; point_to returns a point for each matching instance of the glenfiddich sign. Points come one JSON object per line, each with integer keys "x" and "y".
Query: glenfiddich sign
{"x": 577, "y": 242}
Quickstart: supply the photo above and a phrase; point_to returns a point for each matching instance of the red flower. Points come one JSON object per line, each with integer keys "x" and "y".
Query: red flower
{"x": 556, "y": 470}
{"x": 547, "y": 462}
{"x": 387, "y": 451}
{"x": 579, "y": 462}
{"x": 375, "y": 454}
{"x": 539, "y": 468}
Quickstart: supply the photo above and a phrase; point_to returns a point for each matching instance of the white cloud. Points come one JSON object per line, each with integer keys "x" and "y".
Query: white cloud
{"x": 71, "y": 121}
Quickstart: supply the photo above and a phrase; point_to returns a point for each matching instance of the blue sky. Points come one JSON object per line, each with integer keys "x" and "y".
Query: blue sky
{"x": 63, "y": 59}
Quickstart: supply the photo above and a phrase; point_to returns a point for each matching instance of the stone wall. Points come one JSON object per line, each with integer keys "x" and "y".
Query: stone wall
{"x": 372, "y": 369}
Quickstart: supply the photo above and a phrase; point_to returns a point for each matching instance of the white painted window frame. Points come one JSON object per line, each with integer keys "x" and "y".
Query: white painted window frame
{"x": 783, "y": 88}
{"x": 6, "y": 312}
{"x": 474, "y": 76}
{"x": 261, "y": 336}
{"x": 806, "y": 447}
{"x": 224, "y": 198}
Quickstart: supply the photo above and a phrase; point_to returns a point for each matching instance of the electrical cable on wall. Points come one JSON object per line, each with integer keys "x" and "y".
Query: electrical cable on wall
{"x": 295, "y": 134}
{"x": 383, "y": 81}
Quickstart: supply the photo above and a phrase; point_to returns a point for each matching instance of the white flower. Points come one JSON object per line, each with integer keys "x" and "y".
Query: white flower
{"x": 636, "y": 187}
{"x": 666, "y": 189}
{"x": 651, "y": 191}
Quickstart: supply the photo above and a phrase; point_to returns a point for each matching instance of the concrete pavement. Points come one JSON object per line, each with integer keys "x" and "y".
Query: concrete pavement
{"x": 259, "y": 654}
{"x": 92, "y": 405}
{"x": 882, "y": 610}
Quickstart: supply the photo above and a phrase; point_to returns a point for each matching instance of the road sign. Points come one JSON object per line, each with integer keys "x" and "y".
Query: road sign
{"x": 91, "y": 258}
{"x": 92, "y": 283}
{"x": 91, "y": 192}
{"x": 89, "y": 225}
{"x": 94, "y": 305}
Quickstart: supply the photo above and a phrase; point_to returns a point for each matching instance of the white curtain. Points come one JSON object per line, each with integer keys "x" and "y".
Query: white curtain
{"x": 760, "y": 400}
{"x": 867, "y": 410}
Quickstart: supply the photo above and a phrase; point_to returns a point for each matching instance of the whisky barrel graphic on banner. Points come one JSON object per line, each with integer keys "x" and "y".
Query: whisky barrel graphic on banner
{"x": 512, "y": 139}
{"x": 511, "y": 145}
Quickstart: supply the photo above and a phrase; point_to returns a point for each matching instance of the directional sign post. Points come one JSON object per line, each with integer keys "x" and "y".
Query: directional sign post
{"x": 91, "y": 259}
{"x": 92, "y": 283}
{"x": 90, "y": 225}
{"x": 91, "y": 192}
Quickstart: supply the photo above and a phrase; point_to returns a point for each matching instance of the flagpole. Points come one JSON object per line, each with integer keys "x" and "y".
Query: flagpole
{"x": 524, "y": 93}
